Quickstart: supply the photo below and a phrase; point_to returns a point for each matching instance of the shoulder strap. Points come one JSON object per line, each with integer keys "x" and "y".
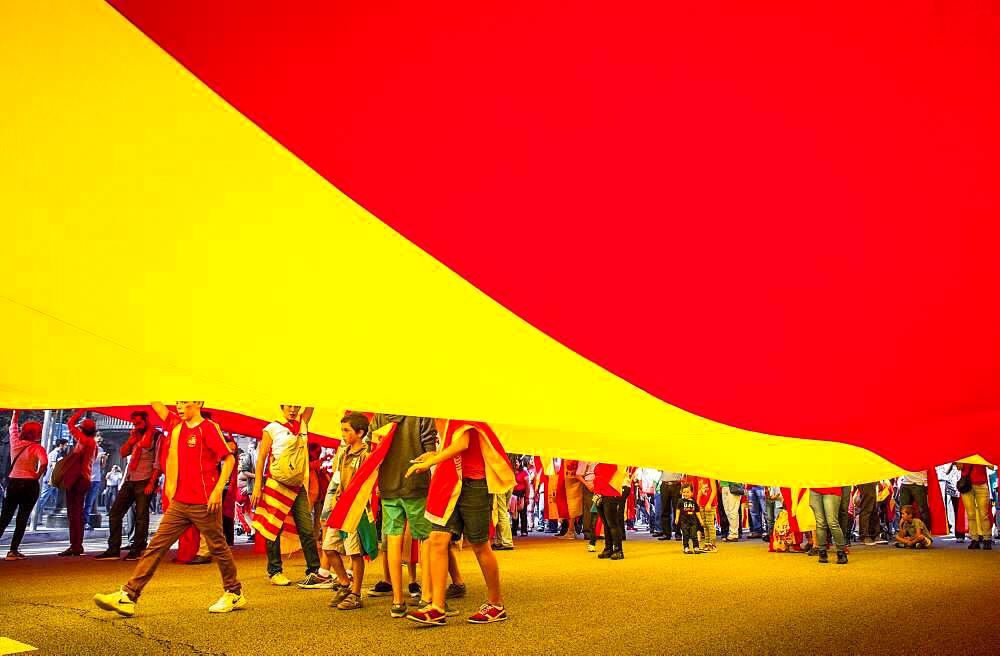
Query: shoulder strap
{"x": 16, "y": 458}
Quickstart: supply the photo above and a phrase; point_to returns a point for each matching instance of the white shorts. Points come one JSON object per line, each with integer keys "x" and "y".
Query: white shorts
{"x": 347, "y": 546}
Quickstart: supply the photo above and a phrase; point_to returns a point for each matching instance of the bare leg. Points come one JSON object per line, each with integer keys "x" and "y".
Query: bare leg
{"x": 358, "y": 569}
{"x": 437, "y": 565}
{"x": 456, "y": 574}
{"x": 491, "y": 572}
{"x": 394, "y": 556}
{"x": 337, "y": 565}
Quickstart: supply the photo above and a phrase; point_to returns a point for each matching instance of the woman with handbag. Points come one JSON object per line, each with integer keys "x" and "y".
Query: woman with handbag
{"x": 975, "y": 490}
{"x": 28, "y": 461}
{"x": 73, "y": 474}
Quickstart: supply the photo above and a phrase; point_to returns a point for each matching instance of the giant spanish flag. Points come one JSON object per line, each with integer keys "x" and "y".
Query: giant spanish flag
{"x": 755, "y": 242}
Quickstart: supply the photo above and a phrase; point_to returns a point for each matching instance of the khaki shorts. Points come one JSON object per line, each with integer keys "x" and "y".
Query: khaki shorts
{"x": 346, "y": 546}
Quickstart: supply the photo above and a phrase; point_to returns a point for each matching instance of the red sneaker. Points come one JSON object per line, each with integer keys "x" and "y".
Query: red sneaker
{"x": 489, "y": 613}
{"x": 428, "y": 615}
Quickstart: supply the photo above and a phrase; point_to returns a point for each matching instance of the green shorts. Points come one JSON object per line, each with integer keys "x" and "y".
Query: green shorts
{"x": 396, "y": 512}
{"x": 472, "y": 513}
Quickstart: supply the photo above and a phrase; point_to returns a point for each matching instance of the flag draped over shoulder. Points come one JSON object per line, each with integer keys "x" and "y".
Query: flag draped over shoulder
{"x": 350, "y": 508}
{"x": 609, "y": 479}
{"x": 446, "y": 482}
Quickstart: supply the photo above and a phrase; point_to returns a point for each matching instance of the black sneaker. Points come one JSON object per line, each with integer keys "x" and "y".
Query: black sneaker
{"x": 107, "y": 555}
{"x": 988, "y": 545}
{"x": 663, "y": 537}
{"x": 617, "y": 556}
{"x": 414, "y": 590}
{"x": 841, "y": 558}
{"x": 604, "y": 554}
{"x": 133, "y": 555}
{"x": 974, "y": 545}
{"x": 380, "y": 589}
{"x": 823, "y": 557}
{"x": 455, "y": 591}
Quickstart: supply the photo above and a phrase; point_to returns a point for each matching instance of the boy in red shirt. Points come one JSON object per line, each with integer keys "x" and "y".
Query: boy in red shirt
{"x": 194, "y": 486}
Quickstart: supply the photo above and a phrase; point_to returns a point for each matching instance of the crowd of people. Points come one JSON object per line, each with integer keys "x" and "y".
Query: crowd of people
{"x": 406, "y": 490}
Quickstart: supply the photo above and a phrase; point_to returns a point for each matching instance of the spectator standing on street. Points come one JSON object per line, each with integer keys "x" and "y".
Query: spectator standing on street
{"x": 96, "y": 481}
{"x": 112, "y": 481}
{"x": 28, "y": 462}
{"x": 76, "y": 478}
{"x": 140, "y": 448}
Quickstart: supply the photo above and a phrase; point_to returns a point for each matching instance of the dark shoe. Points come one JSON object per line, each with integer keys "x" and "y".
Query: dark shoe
{"x": 71, "y": 552}
{"x": 397, "y": 611}
{"x": 841, "y": 558}
{"x": 380, "y": 589}
{"x": 823, "y": 557}
{"x": 455, "y": 591}
{"x": 501, "y": 547}
{"x": 974, "y": 545}
{"x": 200, "y": 560}
{"x": 657, "y": 534}
{"x": 678, "y": 537}
{"x": 663, "y": 537}
{"x": 960, "y": 539}
{"x": 754, "y": 536}
{"x": 617, "y": 556}
{"x": 604, "y": 554}
{"x": 15, "y": 555}
{"x": 414, "y": 591}
{"x": 107, "y": 555}
{"x": 988, "y": 545}
{"x": 133, "y": 555}
{"x": 813, "y": 552}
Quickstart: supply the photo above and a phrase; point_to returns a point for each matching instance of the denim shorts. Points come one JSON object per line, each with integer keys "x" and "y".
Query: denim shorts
{"x": 471, "y": 516}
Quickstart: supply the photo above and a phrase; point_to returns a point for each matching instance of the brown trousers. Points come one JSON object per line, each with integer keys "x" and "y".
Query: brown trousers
{"x": 175, "y": 521}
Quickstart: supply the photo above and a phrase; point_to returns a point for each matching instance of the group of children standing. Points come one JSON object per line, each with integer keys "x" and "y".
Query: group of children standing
{"x": 384, "y": 464}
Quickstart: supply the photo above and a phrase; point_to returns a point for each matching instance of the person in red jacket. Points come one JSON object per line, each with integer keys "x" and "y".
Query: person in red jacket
{"x": 76, "y": 479}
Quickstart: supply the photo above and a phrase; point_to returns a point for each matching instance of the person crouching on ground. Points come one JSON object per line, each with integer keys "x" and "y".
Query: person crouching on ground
{"x": 913, "y": 532}
{"x": 196, "y": 449}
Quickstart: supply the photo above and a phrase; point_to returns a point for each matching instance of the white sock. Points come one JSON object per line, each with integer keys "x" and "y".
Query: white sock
{"x": 324, "y": 572}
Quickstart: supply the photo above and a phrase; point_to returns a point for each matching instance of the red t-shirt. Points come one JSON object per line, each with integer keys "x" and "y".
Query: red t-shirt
{"x": 199, "y": 451}
{"x": 977, "y": 473}
{"x": 473, "y": 465}
{"x": 521, "y": 481}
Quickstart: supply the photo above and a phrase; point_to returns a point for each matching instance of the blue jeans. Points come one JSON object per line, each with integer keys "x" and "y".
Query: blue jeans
{"x": 88, "y": 502}
{"x": 826, "y": 507}
{"x": 656, "y": 522}
{"x": 755, "y": 499}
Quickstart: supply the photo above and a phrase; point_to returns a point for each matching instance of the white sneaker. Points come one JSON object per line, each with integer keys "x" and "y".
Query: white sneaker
{"x": 591, "y": 548}
{"x": 228, "y": 602}
{"x": 116, "y": 602}
{"x": 280, "y": 579}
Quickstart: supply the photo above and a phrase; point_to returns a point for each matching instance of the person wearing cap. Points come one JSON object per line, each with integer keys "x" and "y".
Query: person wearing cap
{"x": 76, "y": 479}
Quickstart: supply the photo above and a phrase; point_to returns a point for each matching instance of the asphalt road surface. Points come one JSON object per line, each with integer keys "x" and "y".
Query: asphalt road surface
{"x": 561, "y": 599}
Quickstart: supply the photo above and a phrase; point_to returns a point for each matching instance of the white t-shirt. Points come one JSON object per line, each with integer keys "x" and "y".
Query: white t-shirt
{"x": 281, "y": 437}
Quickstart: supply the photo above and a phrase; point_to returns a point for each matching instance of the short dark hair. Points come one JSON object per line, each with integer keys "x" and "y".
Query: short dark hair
{"x": 687, "y": 486}
{"x": 358, "y": 422}
{"x": 906, "y": 507}
{"x": 139, "y": 413}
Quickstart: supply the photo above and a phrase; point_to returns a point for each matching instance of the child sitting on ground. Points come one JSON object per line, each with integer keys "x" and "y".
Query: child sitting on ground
{"x": 688, "y": 517}
{"x": 913, "y": 532}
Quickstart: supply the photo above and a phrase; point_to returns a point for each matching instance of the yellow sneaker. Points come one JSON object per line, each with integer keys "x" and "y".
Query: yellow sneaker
{"x": 116, "y": 602}
{"x": 228, "y": 602}
{"x": 280, "y": 579}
